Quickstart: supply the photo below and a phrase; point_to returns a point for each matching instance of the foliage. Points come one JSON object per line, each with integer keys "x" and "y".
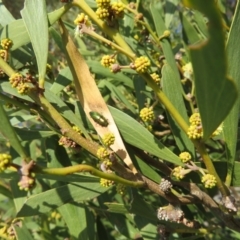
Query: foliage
{"x": 120, "y": 122}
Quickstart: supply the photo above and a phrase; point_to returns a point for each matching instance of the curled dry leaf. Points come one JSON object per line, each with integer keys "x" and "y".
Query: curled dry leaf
{"x": 91, "y": 98}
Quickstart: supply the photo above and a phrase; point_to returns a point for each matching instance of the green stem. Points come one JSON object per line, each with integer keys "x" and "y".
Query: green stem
{"x": 65, "y": 126}
{"x": 108, "y": 42}
{"x": 86, "y": 168}
{"x": 210, "y": 167}
{"x": 6, "y": 67}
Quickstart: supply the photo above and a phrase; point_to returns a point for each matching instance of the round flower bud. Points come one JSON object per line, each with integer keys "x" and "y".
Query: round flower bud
{"x": 185, "y": 157}
{"x": 117, "y": 8}
{"x": 165, "y": 185}
{"x": 6, "y": 43}
{"x": 102, "y": 153}
{"x": 107, "y": 61}
{"x": 156, "y": 78}
{"x": 106, "y": 183}
{"x": 102, "y": 13}
{"x": 209, "y": 181}
{"x": 103, "y": 3}
{"x": 108, "y": 139}
{"x": 141, "y": 64}
{"x": 5, "y": 161}
{"x": 147, "y": 114}
{"x": 170, "y": 213}
{"x": 178, "y": 172}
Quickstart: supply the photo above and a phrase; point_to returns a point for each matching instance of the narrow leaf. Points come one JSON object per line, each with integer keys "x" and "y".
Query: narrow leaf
{"x": 213, "y": 86}
{"x": 9, "y": 133}
{"x": 35, "y": 19}
{"x": 231, "y": 122}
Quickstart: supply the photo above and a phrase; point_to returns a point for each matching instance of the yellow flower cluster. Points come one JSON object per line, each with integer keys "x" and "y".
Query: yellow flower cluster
{"x": 108, "y": 139}
{"x": 156, "y": 78}
{"x": 105, "y": 182}
{"x": 5, "y": 161}
{"x": 195, "y": 130}
{"x": 185, "y": 156}
{"x": 82, "y": 19}
{"x": 102, "y": 13}
{"x": 147, "y": 114}
{"x": 107, "y": 60}
{"x": 118, "y": 9}
{"x": 141, "y": 64}
{"x": 77, "y": 129}
{"x": 106, "y": 9}
{"x": 102, "y": 153}
{"x": 17, "y": 81}
{"x": 26, "y": 182}
{"x": 103, "y": 3}
{"x": 6, "y": 43}
{"x": 178, "y": 172}
{"x": 3, "y": 53}
{"x": 209, "y": 181}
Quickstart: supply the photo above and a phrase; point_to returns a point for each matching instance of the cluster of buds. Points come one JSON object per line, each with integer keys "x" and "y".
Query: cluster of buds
{"x": 106, "y": 182}
{"x": 20, "y": 82}
{"x": 165, "y": 185}
{"x": 82, "y": 21}
{"x": 5, "y": 161}
{"x": 147, "y": 114}
{"x": 170, "y": 213}
{"x": 209, "y": 181}
{"x": 156, "y": 78}
{"x": 108, "y": 61}
{"x": 141, "y": 64}
{"x": 6, "y": 43}
{"x": 195, "y": 130}
{"x": 185, "y": 157}
{"x": 109, "y": 11}
{"x": 27, "y": 180}
{"x": 108, "y": 139}
{"x": 103, "y": 155}
{"x": 69, "y": 143}
{"x": 179, "y": 172}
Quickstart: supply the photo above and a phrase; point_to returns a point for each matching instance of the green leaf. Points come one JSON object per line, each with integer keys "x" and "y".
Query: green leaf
{"x": 8, "y": 132}
{"x": 213, "y": 86}
{"x": 17, "y": 31}
{"x": 34, "y": 15}
{"x": 189, "y": 30}
{"x": 22, "y": 232}
{"x": 54, "y": 198}
{"x": 19, "y": 196}
{"x": 171, "y": 81}
{"x": 231, "y": 122}
{"x": 140, "y": 137}
{"x": 25, "y": 134}
{"x": 171, "y": 88}
{"x": 6, "y": 16}
{"x": 64, "y": 78}
{"x": 72, "y": 214}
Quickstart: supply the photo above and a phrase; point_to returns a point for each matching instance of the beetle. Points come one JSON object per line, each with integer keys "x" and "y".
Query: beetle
{"x": 98, "y": 118}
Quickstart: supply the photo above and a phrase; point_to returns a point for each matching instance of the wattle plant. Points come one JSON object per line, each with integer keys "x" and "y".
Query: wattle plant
{"x": 119, "y": 120}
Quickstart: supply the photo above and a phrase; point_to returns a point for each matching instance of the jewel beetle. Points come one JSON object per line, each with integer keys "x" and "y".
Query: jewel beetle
{"x": 98, "y": 118}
